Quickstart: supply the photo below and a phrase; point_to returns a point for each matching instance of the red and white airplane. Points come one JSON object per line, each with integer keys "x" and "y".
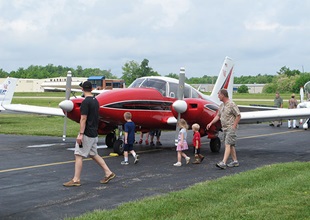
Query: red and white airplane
{"x": 154, "y": 104}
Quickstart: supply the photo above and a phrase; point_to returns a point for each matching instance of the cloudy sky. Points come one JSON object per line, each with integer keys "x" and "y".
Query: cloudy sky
{"x": 260, "y": 36}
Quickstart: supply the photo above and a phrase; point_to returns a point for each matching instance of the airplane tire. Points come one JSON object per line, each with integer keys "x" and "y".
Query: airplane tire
{"x": 215, "y": 145}
{"x": 118, "y": 147}
{"x": 110, "y": 139}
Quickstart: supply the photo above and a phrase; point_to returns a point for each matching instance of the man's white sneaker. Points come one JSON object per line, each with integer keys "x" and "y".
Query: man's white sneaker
{"x": 221, "y": 165}
{"x": 233, "y": 164}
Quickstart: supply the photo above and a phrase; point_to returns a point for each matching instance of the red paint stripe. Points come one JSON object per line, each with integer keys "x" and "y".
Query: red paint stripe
{"x": 226, "y": 82}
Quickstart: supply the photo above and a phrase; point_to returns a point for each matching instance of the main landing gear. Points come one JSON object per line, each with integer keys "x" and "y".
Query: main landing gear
{"x": 215, "y": 144}
{"x": 115, "y": 142}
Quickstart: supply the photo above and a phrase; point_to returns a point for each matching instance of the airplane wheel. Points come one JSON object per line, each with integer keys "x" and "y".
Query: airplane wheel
{"x": 118, "y": 147}
{"x": 110, "y": 139}
{"x": 215, "y": 145}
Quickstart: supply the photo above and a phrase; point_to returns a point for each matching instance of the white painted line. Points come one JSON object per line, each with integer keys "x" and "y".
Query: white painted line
{"x": 43, "y": 145}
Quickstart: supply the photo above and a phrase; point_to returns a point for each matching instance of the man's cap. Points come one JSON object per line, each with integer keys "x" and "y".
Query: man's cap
{"x": 87, "y": 85}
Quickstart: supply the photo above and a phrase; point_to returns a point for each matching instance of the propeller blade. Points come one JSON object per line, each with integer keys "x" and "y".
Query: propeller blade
{"x": 301, "y": 93}
{"x": 180, "y": 97}
{"x": 68, "y": 92}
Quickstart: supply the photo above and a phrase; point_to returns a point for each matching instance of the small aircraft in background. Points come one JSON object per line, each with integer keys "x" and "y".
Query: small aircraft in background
{"x": 7, "y": 91}
{"x": 305, "y": 92}
{"x": 158, "y": 102}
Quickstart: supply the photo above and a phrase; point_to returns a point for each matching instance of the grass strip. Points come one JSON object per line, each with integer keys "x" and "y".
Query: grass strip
{"x": 279, "y": 191}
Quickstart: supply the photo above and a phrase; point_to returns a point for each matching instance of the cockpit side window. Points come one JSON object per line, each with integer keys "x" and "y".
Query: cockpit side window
{"x": 187, "y": 92}
{"x": 195, "y": 94}
{"x": 307, "y": 91}
{"x": 173, "y": 90}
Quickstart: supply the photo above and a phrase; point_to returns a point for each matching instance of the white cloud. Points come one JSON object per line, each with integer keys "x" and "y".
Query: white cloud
{"x": 171, "y": 11}
{"x": 260, "y": 36}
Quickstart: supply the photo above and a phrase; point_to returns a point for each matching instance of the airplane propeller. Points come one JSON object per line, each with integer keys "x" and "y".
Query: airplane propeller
{"x": 301, "y": 93}
{"x": 68, "y": 92}
{"x": 180, "y": 106}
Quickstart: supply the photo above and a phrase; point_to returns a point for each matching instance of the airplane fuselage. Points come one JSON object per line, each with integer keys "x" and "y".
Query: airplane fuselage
{"x": 149, "y": 109}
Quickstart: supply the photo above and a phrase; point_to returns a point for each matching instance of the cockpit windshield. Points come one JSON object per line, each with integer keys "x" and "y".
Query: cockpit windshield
{"x": 168, "y": 89}
{"x": 158, "y": 84}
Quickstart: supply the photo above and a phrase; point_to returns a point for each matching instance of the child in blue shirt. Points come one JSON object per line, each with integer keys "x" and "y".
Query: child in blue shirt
{"x": 129, "y": 139}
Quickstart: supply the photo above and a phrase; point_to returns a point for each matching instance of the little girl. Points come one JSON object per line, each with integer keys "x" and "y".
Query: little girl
{"x": 182, "y": 144}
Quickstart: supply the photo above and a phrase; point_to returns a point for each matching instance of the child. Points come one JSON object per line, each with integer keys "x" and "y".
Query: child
{"x": 146, "y": 138}
{"x": 182, "y": 144}
{"x": 197, "y": 144}
{"x": 129, "y": 129}
{"x": 157, "y": 133}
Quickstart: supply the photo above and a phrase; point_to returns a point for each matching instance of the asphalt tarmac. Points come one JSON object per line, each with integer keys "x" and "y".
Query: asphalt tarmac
{"x": 34, "y": 168}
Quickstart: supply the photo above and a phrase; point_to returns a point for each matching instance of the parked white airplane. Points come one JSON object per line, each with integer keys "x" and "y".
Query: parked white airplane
{"x": 305, "y": 92}
{"x": 6, "y": 91}
{"x": 6, "y": 96}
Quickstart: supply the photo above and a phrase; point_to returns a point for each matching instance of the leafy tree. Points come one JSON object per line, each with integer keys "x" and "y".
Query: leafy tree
{"x": 173, "y": 75}
{"x": 243, "y": 89}
{"x": 300, "y": 81}
{"x": 132, "y": 70}
{"x": 270, "y": 88}
{"x": 3, "y": 74}
{"x": 50, "y": 71}
{"x": 287, "y": 72}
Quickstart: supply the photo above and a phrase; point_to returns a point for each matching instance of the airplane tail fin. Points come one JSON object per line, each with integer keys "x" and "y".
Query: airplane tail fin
{"x": 7, "y": 91}
{"x": 225, "y": 79}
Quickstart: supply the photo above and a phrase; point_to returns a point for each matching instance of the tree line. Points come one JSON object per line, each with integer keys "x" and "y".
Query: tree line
{"x": 285, "y": 81}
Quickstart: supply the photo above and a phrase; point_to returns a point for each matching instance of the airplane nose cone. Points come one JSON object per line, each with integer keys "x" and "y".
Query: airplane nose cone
{"x": 66, "y": 105}
{"x": 180, "y": 106}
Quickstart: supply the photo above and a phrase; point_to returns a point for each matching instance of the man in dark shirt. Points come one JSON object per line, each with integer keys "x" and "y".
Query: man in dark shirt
{"x": 86, "y": 142}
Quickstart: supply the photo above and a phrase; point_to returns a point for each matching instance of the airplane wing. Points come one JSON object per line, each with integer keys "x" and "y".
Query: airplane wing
{"x": 61, "y": 89}
{"x": 33, "y": 109}
{"x": 270, "y": 115}
{"x": 251, "y": 108}
{"x": 95, "y": 91}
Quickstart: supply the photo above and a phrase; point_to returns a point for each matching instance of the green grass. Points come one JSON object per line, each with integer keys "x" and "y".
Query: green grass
{"x": 40, "y": 94}
{"x": 49, "y": 102}
{"x": 29, "y": 124}
{"x": 279, "y": 191}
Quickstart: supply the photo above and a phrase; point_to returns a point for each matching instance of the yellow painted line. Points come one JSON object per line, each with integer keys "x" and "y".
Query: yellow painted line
{"x": 265, "y": 135}
{"x": 60, "y": 163}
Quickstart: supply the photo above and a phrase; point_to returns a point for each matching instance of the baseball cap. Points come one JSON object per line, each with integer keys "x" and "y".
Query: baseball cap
{"x": 87, "y": 85}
